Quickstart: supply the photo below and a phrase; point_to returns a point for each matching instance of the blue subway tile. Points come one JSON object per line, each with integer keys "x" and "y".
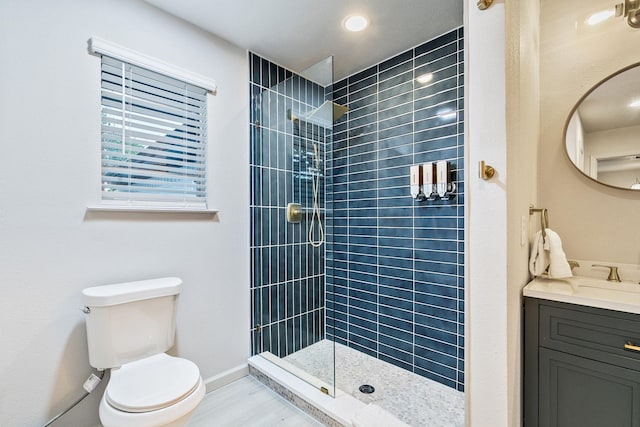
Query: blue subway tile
{"x": 403, "y": 336}
{"x": 449, "y": 37}
{"x": 435, "y": 345}
{"x": 440, "y": 52}
{"x": 400, "y": 75}
{"x": 433, "y": 311}
{"x": 441, "y": 90}
{"x": 436, "y": 322}
{"x": 395, "y": 357}
{"x": 436, "y": 301}
{"x": 393, "y": 62}
{"x": 369, "y": 334}
{"x": 395, "y": 346}
{"x": 436, "y": 368}
{"x": 376, "y": 234}
{"x": 400, "y": 85}
{"x": 404, "y": 263}
{"x": 396, "y": 297}
{"x": 398, "y": 274}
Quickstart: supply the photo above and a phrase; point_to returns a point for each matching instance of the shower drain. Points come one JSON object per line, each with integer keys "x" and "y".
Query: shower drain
{"x": 366, "y": 389}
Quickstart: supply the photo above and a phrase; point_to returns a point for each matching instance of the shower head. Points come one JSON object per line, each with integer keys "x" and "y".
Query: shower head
{"x": 338, "y": 111}
{"x": 325, "y": 115}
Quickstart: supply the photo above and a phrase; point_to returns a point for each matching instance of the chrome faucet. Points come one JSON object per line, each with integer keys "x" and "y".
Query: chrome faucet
{"x": 613, "y": 272}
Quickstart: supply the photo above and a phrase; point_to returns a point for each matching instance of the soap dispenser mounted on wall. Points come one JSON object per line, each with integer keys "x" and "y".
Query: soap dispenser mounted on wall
{"x": 432, "y": 181}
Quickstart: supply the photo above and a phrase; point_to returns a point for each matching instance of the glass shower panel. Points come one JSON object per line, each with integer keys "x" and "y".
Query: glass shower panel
{"x": 292, "y": 120}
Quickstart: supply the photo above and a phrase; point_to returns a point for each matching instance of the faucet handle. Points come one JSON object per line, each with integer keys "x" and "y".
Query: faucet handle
{"x": 613, "y": 272}
{"x": 573, "y": 264}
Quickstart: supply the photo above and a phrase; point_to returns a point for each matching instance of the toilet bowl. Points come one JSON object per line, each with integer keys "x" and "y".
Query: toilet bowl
{"x": 160, "y": 390}
{"x": 129, "y": 328}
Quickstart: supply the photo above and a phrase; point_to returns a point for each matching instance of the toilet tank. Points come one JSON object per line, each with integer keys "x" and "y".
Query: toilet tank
{"x": 130, "y": 321}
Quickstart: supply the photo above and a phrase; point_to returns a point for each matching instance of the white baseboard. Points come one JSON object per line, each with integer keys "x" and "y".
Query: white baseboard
{"x": 226, "y": 377}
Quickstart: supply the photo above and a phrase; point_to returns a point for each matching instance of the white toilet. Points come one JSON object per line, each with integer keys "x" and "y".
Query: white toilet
{"x": 129, "y": 327}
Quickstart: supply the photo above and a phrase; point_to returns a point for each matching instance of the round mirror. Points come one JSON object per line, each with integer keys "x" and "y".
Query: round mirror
{"x": 602, "y": 134}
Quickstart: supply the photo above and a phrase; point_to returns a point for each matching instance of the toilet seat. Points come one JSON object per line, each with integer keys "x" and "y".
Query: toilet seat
{"x": 152, "y": 383}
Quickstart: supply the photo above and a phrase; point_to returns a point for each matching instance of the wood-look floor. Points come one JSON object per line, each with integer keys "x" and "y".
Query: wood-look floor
{"x": 248, "y": 403}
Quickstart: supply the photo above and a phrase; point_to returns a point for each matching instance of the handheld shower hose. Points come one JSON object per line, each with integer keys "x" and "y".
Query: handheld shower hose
{"x": 315, "y": 216}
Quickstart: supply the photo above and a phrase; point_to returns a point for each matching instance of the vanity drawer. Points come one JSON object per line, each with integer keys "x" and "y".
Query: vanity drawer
{"x": 593, "y": 333}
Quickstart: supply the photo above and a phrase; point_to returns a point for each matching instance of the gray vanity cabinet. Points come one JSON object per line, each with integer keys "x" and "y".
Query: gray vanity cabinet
{"x": 577, "y": 372}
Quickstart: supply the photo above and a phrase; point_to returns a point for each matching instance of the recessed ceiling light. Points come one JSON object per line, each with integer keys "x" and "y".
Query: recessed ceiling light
{"x": 424, "y": 78}
{"x": 355, "y": 23}
{"x": 635, "y": 104}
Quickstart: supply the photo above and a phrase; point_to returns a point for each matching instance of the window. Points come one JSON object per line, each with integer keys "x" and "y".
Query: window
{"x": 154, "y": 133}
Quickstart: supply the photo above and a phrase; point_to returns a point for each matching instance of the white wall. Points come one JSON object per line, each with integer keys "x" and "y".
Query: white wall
{"x": 612, "y": 142}
{"x": 51, "y": 248}
{"x": 594, "y": 221}
{"x": 523, "y": 133}
{"x": 621, "y": 178}
{"x": 486, "y": 212}
{"x": 502, "y": 129}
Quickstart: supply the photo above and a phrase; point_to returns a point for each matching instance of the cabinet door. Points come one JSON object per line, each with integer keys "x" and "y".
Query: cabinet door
{"x": 579, "y": 392}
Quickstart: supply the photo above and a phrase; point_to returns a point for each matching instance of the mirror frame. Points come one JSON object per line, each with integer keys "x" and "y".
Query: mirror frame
{"x": 570, "y": 116}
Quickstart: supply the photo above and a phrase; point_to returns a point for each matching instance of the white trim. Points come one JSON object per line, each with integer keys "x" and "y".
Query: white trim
{"x": 98, "y": 46}
{"x": 124, "y": 208}
{"x": 226, "y": 377}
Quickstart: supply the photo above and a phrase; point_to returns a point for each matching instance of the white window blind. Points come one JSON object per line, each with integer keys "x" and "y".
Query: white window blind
{"x": 153, "y": 138}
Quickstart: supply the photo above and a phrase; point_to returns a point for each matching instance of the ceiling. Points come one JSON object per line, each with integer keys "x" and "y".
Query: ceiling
{"x": 297, "y": 34}
{"x": 607, "y": 106}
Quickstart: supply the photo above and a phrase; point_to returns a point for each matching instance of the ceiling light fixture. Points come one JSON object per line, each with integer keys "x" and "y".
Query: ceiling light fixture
{"x": 355, "y": 23}
{"x": 424, "y": 78}
{"x": 635, "y": 103}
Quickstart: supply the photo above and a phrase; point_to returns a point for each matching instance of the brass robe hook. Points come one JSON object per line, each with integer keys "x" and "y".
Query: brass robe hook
{"x": 486, "y": 171}
{"x": 484, "y": 4}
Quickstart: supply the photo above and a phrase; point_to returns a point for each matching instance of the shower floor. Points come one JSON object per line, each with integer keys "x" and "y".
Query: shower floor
{"x": 415, "y": 400}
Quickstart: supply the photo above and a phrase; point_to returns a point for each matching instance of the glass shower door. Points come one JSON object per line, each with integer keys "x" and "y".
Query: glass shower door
{"x": 291, "y": 128}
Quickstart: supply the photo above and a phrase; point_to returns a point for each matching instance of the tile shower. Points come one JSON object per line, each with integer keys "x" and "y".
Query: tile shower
{"x": 389, "y": 282}
{"x": 395, "y": 276}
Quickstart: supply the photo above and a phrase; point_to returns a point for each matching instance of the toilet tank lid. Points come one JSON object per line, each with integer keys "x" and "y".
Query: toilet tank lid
{"x": 121, "y": 293}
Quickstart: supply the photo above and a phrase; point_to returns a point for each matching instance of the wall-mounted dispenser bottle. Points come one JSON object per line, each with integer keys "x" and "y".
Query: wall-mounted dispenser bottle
{"x": 444, "y": 184}
{"x": 432, "y": 181}
{"x": 415, "y": 182}
{"x": 429, "y": 181}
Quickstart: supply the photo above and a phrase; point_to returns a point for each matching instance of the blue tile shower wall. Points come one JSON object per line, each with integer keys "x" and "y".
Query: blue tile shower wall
{"x": 287, "y": 279}
{"x": 395, "y": 266}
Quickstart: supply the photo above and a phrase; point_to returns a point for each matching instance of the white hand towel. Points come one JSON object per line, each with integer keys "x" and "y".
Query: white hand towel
{"x": 558, "y": 265}
{"x": 547, "y": 253}
{"x": 374, "y": 416}
{"x": 539, "y": 259}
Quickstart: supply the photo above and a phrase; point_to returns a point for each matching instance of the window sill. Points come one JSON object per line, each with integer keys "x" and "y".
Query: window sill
{"x": 150, "y": 209}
